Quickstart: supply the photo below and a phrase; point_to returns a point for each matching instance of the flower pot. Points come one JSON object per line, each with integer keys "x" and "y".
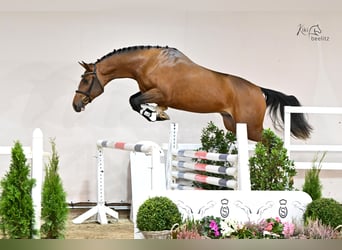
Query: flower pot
{"x": 160, "y": 235}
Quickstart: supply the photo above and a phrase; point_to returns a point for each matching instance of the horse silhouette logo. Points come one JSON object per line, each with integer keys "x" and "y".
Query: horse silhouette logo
{"x": 315, "y": 30}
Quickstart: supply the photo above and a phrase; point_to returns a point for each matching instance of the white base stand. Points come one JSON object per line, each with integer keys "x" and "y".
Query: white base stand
{"x": 101, "y": 211}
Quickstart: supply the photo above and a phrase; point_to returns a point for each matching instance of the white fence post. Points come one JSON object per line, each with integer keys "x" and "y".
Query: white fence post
{"x": 244, "y": 182}
{"x": 287, "y": 129}
{"x": 37, "y": 174}
{"x": 171, "y": 146}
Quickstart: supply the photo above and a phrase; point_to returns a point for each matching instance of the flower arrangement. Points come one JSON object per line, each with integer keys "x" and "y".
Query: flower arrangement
{"x": 271, "y": 228}
{"x": 211, "y": 227}
{"x": 274, "y": 228}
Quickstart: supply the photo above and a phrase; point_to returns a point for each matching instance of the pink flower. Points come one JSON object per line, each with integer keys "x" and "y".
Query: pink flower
{"x": 277, "y": 219}
{"x": 213, "y": 226}
{"x": 288, "y": 229}
{"x": 269, "y": 227}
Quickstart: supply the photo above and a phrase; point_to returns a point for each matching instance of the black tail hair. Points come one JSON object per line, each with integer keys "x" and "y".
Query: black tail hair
{"x": 275, "y": 101}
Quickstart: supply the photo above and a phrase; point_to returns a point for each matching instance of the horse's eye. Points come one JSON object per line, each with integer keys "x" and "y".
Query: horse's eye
{"x": 85, "y": 82}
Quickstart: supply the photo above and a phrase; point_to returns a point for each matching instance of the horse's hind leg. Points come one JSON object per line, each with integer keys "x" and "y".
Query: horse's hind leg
{"x": 229, "y": 122}
{"x": 254, "y": 130}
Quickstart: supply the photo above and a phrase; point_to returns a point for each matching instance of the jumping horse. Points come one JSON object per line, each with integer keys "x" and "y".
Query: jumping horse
{"x": 168, "y": 78}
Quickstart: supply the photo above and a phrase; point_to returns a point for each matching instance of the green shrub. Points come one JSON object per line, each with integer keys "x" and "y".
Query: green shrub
{"x": 157, "y": 214}
{"x": 312, "y": 184}
{"x": 216, "y": 140}
{"x": 327, "y": 210}
{"x": 270, "y": 167}
{"x": 16, "y": 204}
{"x": 54, "y": 205}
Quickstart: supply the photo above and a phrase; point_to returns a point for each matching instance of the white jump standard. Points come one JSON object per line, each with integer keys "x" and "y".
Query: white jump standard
{"x": 101, "y": 210}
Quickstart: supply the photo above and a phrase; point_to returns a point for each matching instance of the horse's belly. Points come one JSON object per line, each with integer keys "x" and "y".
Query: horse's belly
{"x": 198, "y": 105}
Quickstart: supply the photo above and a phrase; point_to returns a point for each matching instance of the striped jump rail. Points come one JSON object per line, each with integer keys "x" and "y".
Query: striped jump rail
{"x": 205, "y": 167}
{"x": 205, "y": 179}
{"x": 125, "y": 146}
{"x": 184, "y": 169}
{"x": 205, "y": 155}
{"x": 183, "y": 187}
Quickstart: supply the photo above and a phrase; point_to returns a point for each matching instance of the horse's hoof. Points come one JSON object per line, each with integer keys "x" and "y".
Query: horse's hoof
{"x": 162, "y": 116}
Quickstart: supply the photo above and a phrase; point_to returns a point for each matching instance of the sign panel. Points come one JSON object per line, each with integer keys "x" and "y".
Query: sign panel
{"x": 240, "y": 206}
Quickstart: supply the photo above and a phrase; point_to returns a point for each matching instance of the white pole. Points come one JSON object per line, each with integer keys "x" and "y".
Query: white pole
{"x": 37, "y": 174}
{"x": 100, "y": 177}
{"x": 172, "y": 146}
{"x": 244, "y": 182}
{"x": 100, "y": 210}
{"x": 287, "y": 129}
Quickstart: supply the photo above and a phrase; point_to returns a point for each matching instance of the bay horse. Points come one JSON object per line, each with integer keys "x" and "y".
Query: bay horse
{"x": 168, "y": 78}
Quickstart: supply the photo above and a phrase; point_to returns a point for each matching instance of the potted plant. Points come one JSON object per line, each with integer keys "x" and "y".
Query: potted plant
{"x": 156, "y": 216}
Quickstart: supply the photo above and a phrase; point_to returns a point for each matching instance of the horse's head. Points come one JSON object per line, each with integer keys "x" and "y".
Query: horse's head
{"x": 89, "y": 88}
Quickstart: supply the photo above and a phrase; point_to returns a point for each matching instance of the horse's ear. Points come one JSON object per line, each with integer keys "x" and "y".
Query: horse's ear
{"x": 85, "y": 66}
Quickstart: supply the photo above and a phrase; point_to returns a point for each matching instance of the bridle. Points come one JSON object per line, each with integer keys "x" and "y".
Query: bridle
{"x": 94, "y": 82}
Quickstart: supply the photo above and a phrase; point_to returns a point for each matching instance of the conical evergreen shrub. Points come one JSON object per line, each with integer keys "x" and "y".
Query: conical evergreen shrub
{"x": 54, "y": 206}
{"x": 312, "y": 183}
{"x": 16, "y": 204}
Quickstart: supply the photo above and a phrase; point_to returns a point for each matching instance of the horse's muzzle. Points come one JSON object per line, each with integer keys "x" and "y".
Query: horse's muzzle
{"x": 78, "y": 107}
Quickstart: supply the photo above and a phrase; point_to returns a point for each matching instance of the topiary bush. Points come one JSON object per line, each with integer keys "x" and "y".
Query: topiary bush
{"x": 270, "y": 167}
{"x": 157, "y": 214}
{"x": 327, "y": 210}
{"x": 216, "y": 140}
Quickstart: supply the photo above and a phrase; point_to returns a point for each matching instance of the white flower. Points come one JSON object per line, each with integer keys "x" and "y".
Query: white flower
{"x": 228, "y": 227}
{"x": 265, "y": 233}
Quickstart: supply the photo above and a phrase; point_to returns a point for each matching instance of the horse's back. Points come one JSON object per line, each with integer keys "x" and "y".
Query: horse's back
{"x": 192, "y": 87}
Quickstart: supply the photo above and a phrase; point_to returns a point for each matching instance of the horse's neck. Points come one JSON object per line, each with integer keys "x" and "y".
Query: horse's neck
{"x": 123, "y": 65}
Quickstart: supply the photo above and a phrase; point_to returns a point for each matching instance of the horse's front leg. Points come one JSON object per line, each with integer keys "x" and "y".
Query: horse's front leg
{"x": 142, "y": 103}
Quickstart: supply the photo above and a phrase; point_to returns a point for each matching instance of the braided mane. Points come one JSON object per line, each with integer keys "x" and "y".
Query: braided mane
{"x": 127, "y": 49}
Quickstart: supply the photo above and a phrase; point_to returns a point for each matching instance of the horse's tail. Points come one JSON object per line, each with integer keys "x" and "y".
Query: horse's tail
{"x": 275, "y": 100}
